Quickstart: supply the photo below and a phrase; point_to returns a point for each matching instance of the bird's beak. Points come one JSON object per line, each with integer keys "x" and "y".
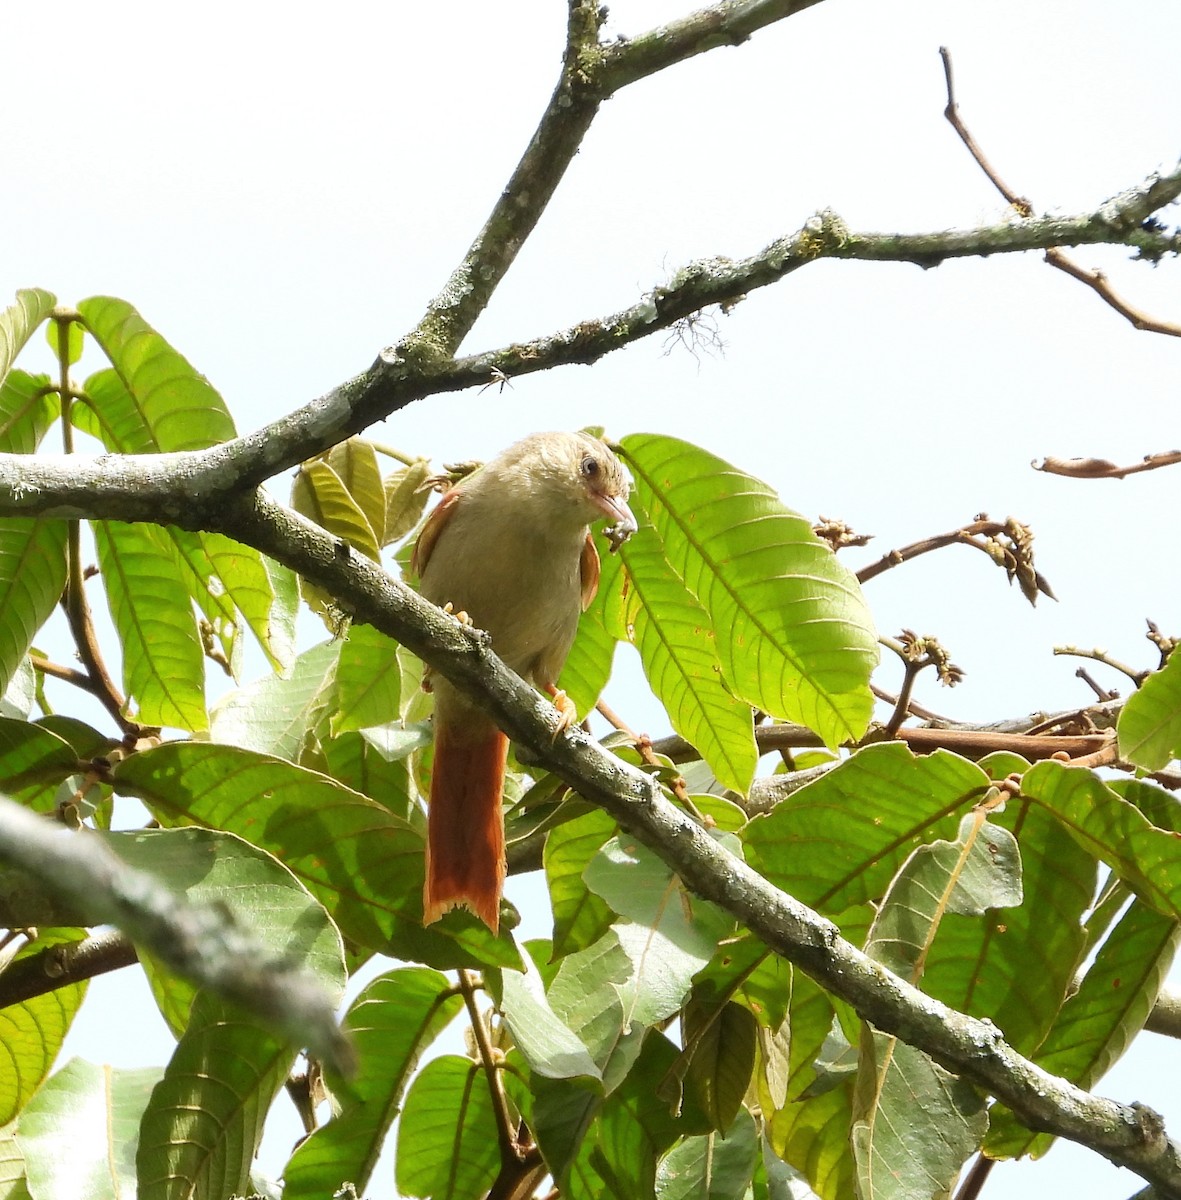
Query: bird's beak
{"x": 623, "y": 523}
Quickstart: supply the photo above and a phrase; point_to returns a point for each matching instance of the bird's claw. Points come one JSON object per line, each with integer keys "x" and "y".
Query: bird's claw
{"x": 567, "y": 711}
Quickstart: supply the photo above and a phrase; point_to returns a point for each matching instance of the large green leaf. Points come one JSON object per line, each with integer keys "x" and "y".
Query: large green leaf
{"x": 634, "y": 1127}
{"x": 154, "y": 401}
{"x": 1099, "y": 1020}
{"x": 226, "y": 578}
{"x": 201, "y": 1129}
{"x": 1150, "y": 724}
{"x": 391, "y": 1023}
{"x": 812, "y": 1135}
{"x": 217, "y": 868}
{"x": 32, "y": 577}
{"x": 1016, "y": 966}
{"x": 33, "y": 762}
{"x": 916, "y": 1123}
{"x": 18, "y": 321}
{"x": 1146, "y": 858}
{"x": 95, "y": 1111}
{"x": 714, "y": 1166}
{"x": 651, "y": 607}
{"x": 32, "y": 550}
{"x": 276, "y": 715}
{"x": 163, "y": 661}
{"x": 364, "y": 864}
{"x": 839, "y": 840}
{"x": 793, "y": 633}
{"x": 548, "y": 1045}
{"x": 447, "y": 1140}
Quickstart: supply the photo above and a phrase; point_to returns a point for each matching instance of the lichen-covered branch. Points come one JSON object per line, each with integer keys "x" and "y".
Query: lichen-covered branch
{"x": 204, "y": 478}
{"x": 1130, "y": 1136}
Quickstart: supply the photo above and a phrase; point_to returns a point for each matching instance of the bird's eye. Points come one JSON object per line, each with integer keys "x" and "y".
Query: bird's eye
{"x": 590, "y": 467}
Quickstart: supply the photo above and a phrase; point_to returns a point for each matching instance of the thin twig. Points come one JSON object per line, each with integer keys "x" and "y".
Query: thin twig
{"x": 1095, "y": 280}
{"x": 510, "y": 1152}
{"x": 1101, "y": 656}
{"x": 1103, "y": 468}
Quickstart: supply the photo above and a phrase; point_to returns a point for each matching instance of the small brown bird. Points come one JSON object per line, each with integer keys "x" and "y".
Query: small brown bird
{"x": 511, "y": 547}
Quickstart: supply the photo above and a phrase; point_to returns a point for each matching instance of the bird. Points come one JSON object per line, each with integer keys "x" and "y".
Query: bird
{"x": 508, "y": 549}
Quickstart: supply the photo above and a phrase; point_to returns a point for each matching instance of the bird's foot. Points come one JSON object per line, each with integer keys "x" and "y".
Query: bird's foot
{"x": 567, "y": 712}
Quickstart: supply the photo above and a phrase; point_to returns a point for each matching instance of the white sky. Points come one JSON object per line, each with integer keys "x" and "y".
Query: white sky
{"x": 281, "y": 191}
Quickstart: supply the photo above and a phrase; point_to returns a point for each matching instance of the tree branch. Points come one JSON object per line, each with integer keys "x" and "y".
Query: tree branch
{"x": 191, "y": 487}
{"x": 1130, "y": 1136}
{"x": 1095, "y": 280}
{"x": 65, "y": 963}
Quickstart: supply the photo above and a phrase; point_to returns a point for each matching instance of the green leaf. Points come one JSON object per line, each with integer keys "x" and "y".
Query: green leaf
{"x": 915, "y": 1124}
{"x": 405, "y": 499}
{"x": 163, "y": 662}
{"x": 588, "y": 665}
{"x": 276, "y": 715}
{"x": 563, "y": 1110}
{"x": 28, "y": 407}
{"x": 813, "y": 1136}
{"x": 744, "y": 969}
{"x": 548, "y": 1045}
{"x": 793, "y": 634}
{"x": 712, "y": 1167}
{"x": 1099, "y": 1020}
{"x": 391, "y": 1024}
{"x": 32, "y": 1031}
{"x": 677, "y": 646}
{"x": 32, "y": 577}
{"x": 229, "y": 577}
{"x": 588, "y": 994}
{"x": 322, "y": 496}
{"x": 355, "y": 463}
{"x": 1149, "y": 726}
{"x": 72, "y": 331}
{"x": 580, "y": 917}
{"x": 154, "y": 401}
{"x": 640, "y": 886}
{"x": 1146, "y": 858}
{"x": 18, "y": 321}
{"x": 859, "y": 822}
{"x": 447, "y": 1140}
{"x": 214, "y": 868}
{"x": 95, "y": 1111}
{"x": 722, "y": 1058}
{"x": 368, "y": 680}
{"x": 980, "y": 870}
{"x": 1016, "y": 966}
{"x": 634, "y": 1126}
{"x": 33, "y": 761}
{"x": 13, "y": 1185}
{"x": 361, "y": 862}
{"x": 202, "y": 1127}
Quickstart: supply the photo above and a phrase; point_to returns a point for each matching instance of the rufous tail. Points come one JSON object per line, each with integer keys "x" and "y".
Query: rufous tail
{"x": 465, "y": 825}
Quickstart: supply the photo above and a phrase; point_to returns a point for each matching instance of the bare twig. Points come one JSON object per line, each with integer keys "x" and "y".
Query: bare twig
{"x": 1102, "y": 468}
{"x": 1008, "y": 543}
{"x": 1095, "y": 280}
{"x": 510, "y": 1152}
{"x": 1101, "y": 656}
{"x": 65, "y": 963}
